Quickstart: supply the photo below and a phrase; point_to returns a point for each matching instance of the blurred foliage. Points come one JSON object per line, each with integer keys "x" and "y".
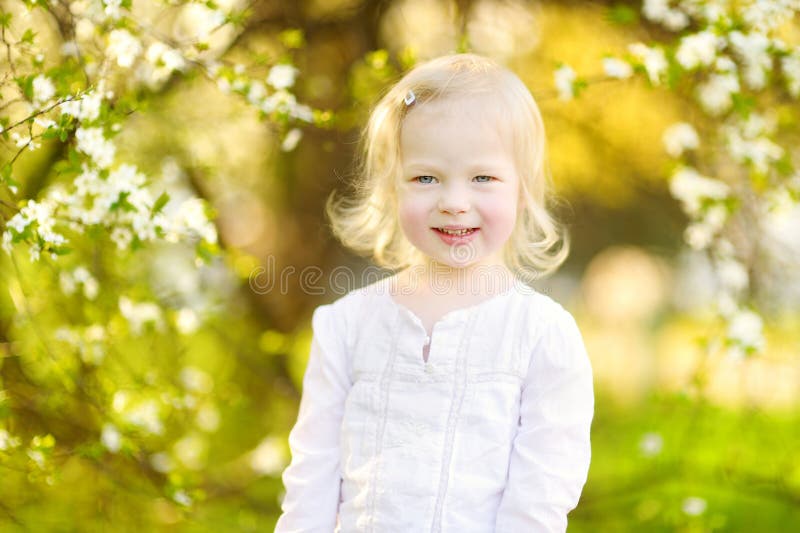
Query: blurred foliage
{"x": 223, "y": 397}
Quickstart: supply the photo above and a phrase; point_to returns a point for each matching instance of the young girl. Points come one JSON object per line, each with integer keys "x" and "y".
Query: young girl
{"x": 451, "y": 396}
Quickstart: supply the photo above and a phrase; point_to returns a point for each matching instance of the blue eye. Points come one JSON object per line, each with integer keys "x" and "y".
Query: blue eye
{"x": 422, "y": 179}
{"x": 488, "y": 178}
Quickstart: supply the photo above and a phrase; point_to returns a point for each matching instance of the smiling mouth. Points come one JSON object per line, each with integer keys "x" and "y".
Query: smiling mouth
{"x": 458, "y": 232}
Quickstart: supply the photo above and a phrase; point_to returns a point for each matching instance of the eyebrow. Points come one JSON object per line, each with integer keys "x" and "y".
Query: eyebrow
{"x": 479, "y": 167}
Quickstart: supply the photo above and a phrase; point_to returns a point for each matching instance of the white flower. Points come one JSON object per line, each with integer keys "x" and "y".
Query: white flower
{"x": 715, "y": 216}
{"x": 7, "y": 245}
{"x": 746, "y": 329}
{"x": 715, "y": 95}
{"x": 93, "y": 143}
{"x": 84, "y": 29}
{"x": 70, "y": 49}
{"x": 754, "y": 50}
{"x": 698, "y": 235}
{"x": 759, "y": 124}
{"x": 186, "y": 321}
{"x": 191, "y": 451}
{"x": 694, "y": 506}
{"x": 124, "y": 47}
{"x": 196, "y": 380}
{"x": 122, "y": 237}
{"x": 698, "y": 49}
{"x": 256, "y": 93}
{"x": 67, "y": 282}
{"x": 45, "y": 123}
{"x": 617, "y": 68}
{"x": 197, "y": 21}
{"x": 182, "y": 498}
{"x": 565, "y": 82}
{"x": 726, "y": 304}
{"x": 37, "y": 457}
{"x": 760, "y": 152}
{"x": 302, "y": 112}
{"x": 7, "y": 441}
{"x": 764, "y": 16}
{"x": 688, "y": 186}
{"x": 292, "y": 138}
{"x": 112, "y": 8}
{"x": 111, "y": 438}
{"x": 268, "y": 457}
{"x": 191, "y": 217}
{"x": 145, "y": 415}
{"x": 725, "y": 65}
{"x": 651, "y": 444}
{"x": 732, "y": 274}
{"x": 675, "y": 20}
{"x": 95, "y": 333}
{"x": 139, "y": 314}
{"x": 680, "y": 137}
{"x": 207, "y": 417}
{"x": 43, "y": 89}
{"x": 162, "y": 462}
{"x": 653, "y": 59}
{"x": 281, "y": 76}
{"x": 790, "y": 67}
{"x": 23, "y": 140}
{"x": 655, "y": 10}
{"x": 162, "y": 61}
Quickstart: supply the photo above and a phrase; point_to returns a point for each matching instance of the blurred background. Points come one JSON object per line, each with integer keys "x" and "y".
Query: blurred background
{"x": 209, "y": 380}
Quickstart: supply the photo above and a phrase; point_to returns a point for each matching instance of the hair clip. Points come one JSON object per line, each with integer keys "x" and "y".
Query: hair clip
{"x": 410, "y": 98}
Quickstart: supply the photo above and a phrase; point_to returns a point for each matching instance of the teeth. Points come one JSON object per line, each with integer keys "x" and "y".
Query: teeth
{"x": 456, "y": 232}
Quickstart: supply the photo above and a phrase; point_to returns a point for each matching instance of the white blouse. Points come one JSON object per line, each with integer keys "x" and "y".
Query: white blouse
{"x": 490, "y": 434}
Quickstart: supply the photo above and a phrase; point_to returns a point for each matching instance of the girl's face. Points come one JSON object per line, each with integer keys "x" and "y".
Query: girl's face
{"x": 458, "y": 171}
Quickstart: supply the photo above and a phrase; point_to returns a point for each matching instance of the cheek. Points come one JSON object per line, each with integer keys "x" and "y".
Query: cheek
{"x": 412, "y": 216}
{"x": 500, "y": 214}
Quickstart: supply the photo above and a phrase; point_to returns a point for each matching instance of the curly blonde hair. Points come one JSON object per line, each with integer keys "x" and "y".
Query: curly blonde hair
{"x": 367, "y": 222}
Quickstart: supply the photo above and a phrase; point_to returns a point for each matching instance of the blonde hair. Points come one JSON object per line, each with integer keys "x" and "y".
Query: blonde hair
{"x": 368, "y": 224}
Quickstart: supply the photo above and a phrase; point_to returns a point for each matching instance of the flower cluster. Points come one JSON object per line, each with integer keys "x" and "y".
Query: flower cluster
{"x": 78, "y": 96}
{"x": 727, "y": 59}
{"x": 105, "y": 191}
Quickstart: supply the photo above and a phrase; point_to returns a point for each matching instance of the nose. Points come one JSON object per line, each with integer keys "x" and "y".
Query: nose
{"x": 454, "y": 199}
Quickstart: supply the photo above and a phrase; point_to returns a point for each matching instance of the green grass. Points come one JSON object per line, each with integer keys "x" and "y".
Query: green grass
{"x": 744, "y": 465}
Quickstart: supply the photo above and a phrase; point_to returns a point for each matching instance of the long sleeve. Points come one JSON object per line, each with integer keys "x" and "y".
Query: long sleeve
{"x": 551, "y": 452}
{"x": 312, "y": 479}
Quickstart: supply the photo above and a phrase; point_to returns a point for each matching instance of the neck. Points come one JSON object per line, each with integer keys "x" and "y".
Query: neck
{"x": 481, "y": 279}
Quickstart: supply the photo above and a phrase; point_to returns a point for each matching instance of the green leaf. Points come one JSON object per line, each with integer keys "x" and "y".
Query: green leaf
{"x": 292, "y": 38}
{"x": 206, "y": 251}
{"x": 160, "y": 203}
{"x": 28, "y": 36}
{"x": 51, "y": 133}
{"x": 622, "y": 15}
{"x": 26, "y": 86}
{"x": 743, "y": 104}
{"x": 60, "y": 250}
{"x": 579, "y": 85}
{"x": 5, "y": 20}
{"x": 123, "y": 203}
{"x": 784, "y": 165}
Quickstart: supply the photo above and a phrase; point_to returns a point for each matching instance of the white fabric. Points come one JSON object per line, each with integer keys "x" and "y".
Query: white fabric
{"x": 491, "y": 434}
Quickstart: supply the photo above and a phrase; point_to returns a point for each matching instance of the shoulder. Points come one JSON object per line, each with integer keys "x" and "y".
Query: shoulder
{"x": 539, "y": 311}
{"x": 550, "y": 328}
{"x": 346, "y": 311}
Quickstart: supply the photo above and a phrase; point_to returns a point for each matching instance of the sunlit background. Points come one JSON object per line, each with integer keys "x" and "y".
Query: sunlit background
{"x": 685, "y": 438}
